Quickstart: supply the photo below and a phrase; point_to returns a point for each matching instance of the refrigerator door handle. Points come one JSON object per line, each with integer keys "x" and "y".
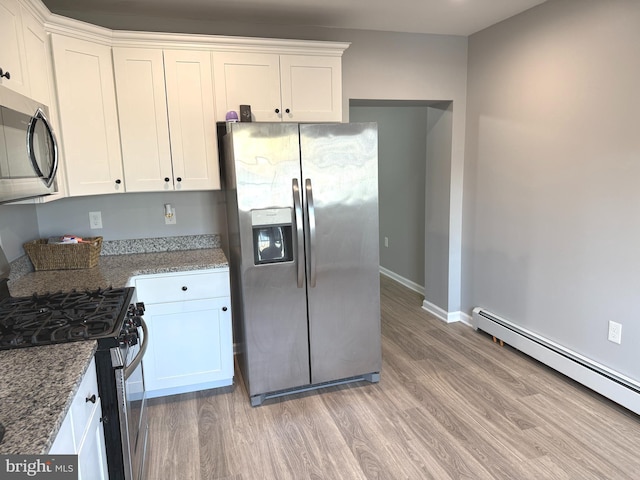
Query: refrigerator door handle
{"x": 299, "y": 231}
{"x": 311, "y": 218}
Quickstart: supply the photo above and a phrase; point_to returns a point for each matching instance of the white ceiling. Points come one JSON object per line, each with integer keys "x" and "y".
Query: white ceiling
{"x": 453, "y": 17}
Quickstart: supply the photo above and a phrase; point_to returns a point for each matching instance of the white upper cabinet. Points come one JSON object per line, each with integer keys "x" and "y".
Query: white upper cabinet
{"x": 192, "y": 119}
{"x": 144, "y": 125}
{"x": 311, "y": 88}
{"x": 138, "y": 110}
{"x": 248, "y": 79}
{"x": 167, "y": 119}
{"x": 291, "y": 88}
{"x": 13, "y": 61}
{"x": 38, "y": 59}
{"x": 88, "y": 116}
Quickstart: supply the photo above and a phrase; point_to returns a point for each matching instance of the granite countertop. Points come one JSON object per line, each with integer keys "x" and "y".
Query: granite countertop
{"x": 37, "y": 384}
{"x": 116, "y": 270}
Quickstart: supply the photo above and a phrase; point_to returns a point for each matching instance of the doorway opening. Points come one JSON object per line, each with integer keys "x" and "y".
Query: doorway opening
{"x": 414, "y": 185}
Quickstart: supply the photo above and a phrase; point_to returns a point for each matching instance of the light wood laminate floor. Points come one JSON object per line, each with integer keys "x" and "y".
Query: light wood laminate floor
{"x": 450, "y": 404}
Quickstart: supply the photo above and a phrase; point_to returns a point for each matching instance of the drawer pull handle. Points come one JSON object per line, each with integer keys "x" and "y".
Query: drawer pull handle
{"x": 91, "y": 399}
{"x": 224, "y": 309}
{"x": 184, "y": 289}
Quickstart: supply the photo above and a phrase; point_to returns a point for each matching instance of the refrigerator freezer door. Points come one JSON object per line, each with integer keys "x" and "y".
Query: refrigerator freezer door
{"x": 275, "y": 348}
{"x": 340, "y": 170}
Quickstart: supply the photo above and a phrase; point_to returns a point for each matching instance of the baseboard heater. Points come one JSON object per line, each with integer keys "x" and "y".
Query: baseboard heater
{"x": 609, "y": 383}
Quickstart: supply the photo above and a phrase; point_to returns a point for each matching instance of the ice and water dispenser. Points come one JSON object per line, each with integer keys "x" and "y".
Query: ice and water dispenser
{"x": 272, "y": 235}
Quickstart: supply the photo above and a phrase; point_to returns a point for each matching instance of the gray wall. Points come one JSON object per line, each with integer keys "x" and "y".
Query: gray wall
{"x": 18, "y": 224}
{"x": 402, "y": 142}
{"x": 134, "y": 215}
{"x": 552, "y": 235}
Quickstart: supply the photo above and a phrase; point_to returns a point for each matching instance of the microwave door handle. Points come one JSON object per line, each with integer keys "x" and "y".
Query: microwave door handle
{"x": 129, "y": 369}
{"x": 39, "y": 115}
{"x": 311, "y": 217}
{"x": 299, "y": 232}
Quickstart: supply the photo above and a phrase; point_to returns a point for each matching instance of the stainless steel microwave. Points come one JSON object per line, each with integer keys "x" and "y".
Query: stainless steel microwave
{"x": 28, "y": 148}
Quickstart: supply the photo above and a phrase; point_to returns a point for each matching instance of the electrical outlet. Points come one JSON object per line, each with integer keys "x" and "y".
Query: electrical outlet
{"x": 386, "y": 242}
{"x": 615, "y": 332}
{"x": 170, "y": 219}
{"x": 95, "y": 220}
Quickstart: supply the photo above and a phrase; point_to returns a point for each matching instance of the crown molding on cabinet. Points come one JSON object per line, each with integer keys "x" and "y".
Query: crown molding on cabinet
{"x": 86, "y": 31}
{"x": 226, "y": 43}
{"x": 78, "y": 29}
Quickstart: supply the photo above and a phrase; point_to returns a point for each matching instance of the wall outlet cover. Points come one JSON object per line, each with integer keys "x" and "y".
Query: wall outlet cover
{"x": 95, "y": 220}
{"x": 172, "y": 219}
{"x": 615, "y": 332}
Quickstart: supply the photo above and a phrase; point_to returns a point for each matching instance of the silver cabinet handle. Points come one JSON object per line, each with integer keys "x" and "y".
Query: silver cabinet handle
{"x": 299, "y": 231}
{"x": 311, "y": 218}
{"x": 49, "y": 178}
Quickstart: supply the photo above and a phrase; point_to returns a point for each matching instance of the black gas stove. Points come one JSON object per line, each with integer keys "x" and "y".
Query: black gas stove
{"x": 64, "y": 317}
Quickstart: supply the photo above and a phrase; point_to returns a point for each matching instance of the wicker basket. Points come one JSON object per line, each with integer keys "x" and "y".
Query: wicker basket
{"x": 64, "y": 256}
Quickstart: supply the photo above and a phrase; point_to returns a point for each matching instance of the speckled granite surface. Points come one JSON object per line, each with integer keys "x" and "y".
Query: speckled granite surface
{"x": 37, "y": 384}
{"x": 36, "y": 389}
{"x": 20, "y": 267}
{"x": 116, "y": 270}
{"x": 165, "y": 244}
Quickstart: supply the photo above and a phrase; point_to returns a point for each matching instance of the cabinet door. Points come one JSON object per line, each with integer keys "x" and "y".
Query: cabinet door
{"x": 311, "y": 88}
{"x": 89, "y": 121}
{"x": 12, "y": 56}
{"x": 37, "y": 59}
{"x": 248, "y": 79}
{"x": 144, "y": 125}
{"x": 189, "y": 343}
{"x": 192, "y": 120}
{"x": 92, "y": 457}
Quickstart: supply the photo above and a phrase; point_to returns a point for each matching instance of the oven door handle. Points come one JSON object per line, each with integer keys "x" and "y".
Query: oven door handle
{"x": 129, "y": 369}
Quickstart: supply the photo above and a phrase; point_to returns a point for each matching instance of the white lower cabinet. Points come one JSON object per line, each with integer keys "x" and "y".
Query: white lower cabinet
{"x": 82, "y": 433}
{"x": 190, "y": 345}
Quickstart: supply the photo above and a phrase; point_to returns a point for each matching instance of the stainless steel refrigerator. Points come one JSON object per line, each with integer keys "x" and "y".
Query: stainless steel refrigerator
{"x": 302, "y": 214}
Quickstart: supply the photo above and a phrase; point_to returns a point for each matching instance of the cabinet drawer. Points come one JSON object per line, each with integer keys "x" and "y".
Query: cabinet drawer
{"x": 81, "y": 408}
{"x": 175, "y": 288}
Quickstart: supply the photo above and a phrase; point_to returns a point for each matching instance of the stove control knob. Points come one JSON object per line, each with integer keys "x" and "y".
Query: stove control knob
{"x": 131, "y": 339}
{"x": 136, "y": 310}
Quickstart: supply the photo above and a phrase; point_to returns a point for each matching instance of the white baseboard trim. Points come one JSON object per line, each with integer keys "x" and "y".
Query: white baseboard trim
{"x": 404, "y": 281}
{"x": 466, "y": 319}
{"x": 447, "y": 317}
{"x": 441, "y": 314}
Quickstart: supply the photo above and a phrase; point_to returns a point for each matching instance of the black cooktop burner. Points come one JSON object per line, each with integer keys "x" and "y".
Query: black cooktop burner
{"x": 62, "y": 317}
